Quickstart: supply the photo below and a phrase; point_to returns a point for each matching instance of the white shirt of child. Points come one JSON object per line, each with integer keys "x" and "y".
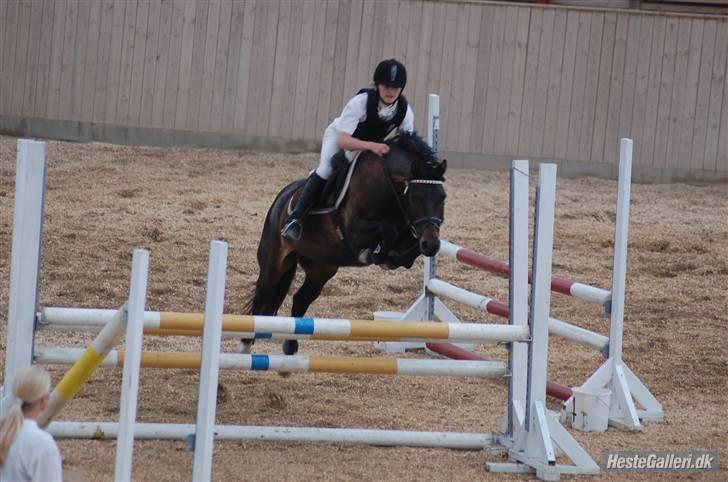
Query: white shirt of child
{"x": 355, "y": 111}
{"x": 33, "y": 456}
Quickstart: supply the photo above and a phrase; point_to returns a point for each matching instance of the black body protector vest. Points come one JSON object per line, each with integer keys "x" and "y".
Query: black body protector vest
{"x": 374, "y": 129}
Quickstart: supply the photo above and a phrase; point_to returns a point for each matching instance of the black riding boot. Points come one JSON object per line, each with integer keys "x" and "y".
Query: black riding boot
{"x": 292, "y": 227}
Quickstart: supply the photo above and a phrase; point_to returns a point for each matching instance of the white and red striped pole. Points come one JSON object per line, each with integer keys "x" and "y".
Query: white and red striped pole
{"x": 559, "y": 285}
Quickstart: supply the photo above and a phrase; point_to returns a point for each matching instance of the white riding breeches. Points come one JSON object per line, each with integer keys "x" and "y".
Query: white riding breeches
{"x": 328, "y": 149}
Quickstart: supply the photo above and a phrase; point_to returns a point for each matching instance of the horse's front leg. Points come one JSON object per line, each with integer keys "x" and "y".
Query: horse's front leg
{"x": 372, "y": 239}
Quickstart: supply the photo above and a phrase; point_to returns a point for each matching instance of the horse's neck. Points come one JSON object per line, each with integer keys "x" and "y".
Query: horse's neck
{"x": 398, "y": 164}
{"x": 387, "y": 175}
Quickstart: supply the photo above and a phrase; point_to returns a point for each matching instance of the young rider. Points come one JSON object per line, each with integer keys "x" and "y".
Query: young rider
{"x": 362, "y": 126}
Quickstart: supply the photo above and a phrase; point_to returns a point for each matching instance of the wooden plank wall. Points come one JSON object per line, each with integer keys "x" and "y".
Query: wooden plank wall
{"x": 515, "y": 80}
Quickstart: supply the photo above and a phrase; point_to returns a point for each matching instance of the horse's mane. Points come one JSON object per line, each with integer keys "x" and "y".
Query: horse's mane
{"x": 424, "y": 160}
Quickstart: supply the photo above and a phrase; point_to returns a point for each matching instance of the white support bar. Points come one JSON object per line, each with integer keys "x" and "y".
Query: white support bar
{"x": 212, "y": 335}
{"x": 130, "y": 377}
{"x": 25, "y": 261}
{"x": 387, "y": 438}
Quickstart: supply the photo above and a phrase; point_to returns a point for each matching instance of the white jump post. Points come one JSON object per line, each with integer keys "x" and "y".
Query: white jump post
{"x": 433, "y": 139}
{"x": 25, "y": 262}
{"x": 132, "y": 361}
{"x": 536, "y": 434}
{"x": 614, "y": 374}
{"x": 518, "y": 290}
{"x": 212, "y": 335}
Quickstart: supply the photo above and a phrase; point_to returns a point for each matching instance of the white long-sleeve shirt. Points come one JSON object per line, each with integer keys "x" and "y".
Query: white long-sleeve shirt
{"x": 355, "y": 111}
{"x": 33, "y": 456}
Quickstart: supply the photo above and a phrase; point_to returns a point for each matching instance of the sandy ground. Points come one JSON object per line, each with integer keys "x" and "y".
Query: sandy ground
{"x": 103, "y": 201}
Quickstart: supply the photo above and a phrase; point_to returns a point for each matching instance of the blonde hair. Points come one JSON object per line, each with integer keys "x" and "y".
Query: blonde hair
{"x": 30, "y": 386}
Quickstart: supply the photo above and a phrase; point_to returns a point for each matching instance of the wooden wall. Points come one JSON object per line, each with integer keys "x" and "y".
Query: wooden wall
{"x": 515, "y": 80}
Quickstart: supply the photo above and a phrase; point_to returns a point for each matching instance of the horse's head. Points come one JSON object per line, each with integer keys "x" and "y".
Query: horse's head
{"x": 426, "y": 207}
{"x": 425, "y": 192}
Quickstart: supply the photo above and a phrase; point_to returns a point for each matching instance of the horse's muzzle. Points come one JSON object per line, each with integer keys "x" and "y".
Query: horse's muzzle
{"x": 430, "y": 241}
{"x": 429, "y": 247}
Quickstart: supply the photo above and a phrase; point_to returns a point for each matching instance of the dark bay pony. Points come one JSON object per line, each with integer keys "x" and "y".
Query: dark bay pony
{"x": 397, "y": 200}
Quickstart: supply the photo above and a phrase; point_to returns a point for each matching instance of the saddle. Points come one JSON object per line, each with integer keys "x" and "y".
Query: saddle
{"x": 336, "y": 187}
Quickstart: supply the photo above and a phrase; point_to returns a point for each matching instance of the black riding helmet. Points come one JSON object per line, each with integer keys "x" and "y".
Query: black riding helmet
{"x": 391, "y": 73}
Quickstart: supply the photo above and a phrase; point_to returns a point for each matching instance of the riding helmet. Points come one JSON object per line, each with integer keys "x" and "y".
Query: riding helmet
{"x": 391, "y": 73}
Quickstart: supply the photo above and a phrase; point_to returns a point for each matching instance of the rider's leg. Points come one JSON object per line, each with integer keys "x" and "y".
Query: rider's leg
{"x": 292, "y": 226}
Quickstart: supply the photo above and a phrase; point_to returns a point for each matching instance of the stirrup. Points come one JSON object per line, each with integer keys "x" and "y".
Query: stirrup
{"x": 293, "y": 230}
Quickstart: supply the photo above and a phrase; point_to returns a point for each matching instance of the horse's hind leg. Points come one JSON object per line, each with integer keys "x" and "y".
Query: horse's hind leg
{"x": 271, "y": 289}
{"x": 317, "y": 275}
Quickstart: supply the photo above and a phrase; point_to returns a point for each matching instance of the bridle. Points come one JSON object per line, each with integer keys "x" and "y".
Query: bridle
{"x": 412, "y": 225}
{"x": 427, "y": 221}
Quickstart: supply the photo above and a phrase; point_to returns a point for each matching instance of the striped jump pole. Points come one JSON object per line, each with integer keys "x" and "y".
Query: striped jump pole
{"x": 94, "y": 355}
{"x": 559, "y": 285}
{"x": 454, "y": 352}
{"x": 94, "y": 319}
{"x": 326, "y": 328}
{"x": 489, "y": 305}
{"x": 85, "y": 366}
{"x": 288, "y": 363}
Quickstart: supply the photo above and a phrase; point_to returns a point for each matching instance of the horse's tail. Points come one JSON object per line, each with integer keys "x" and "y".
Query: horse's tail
{"x": 264, "y": 293}
{"x": 250, "y": 300}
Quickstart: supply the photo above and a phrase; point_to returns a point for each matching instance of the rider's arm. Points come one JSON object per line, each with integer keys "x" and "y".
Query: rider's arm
{"x": 408, "y": 123}
{"x": 355, "y": 112}
{"x": 349, "y": 143}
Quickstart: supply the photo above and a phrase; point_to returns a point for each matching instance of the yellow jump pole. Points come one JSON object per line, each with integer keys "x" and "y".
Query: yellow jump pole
{"x": 82, "y": 370}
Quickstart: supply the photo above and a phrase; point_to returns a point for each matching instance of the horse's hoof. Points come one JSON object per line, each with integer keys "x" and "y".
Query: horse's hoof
{"x": 245, "y": 346}
{"x": 290, "y": 347}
